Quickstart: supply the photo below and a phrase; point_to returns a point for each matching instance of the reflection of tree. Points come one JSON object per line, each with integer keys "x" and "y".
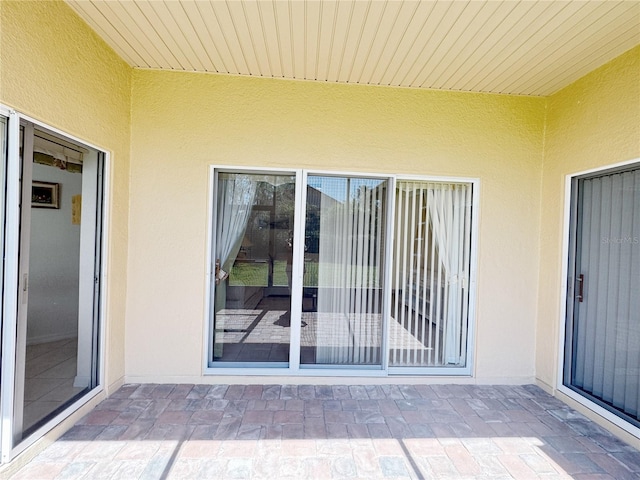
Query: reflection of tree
{"x": 351, "y": 239}
{"x": 318, "y": 204}
{"x": 357, "y": 204}
{"x": 268, "y": 237}
{"x": 368, "y": 200}
{"x": 285, "y": 200}
{"x": 312, "y": 234}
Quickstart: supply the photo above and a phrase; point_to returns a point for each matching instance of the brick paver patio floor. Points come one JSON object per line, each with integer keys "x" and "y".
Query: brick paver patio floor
{"x": 329, "y": 432}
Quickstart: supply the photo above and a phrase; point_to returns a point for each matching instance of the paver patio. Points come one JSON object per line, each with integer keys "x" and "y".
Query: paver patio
{"x": 329, "y": 432}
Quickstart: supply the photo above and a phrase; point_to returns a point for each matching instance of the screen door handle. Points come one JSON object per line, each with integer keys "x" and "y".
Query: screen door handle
{"x": 25, "y": 287}
{"x": 580, "y": 295}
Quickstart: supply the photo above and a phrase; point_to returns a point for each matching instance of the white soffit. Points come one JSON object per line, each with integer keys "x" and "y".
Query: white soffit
{"x": 508, "y": 47}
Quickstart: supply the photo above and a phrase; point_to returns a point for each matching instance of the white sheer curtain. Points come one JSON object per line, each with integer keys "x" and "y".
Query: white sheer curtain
{"x": 431, "y": 272}
{"x": 450, "y": 221}
{"x": 350, "y": 263}
{"x": 236, "y": 193}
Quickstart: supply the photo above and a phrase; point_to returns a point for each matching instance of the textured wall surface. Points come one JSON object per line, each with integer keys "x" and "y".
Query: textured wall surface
{"x": 55, "y": 69}
{"x": 183, "y": 123}
{"x": 592, "y": 123}
{"x": 174, "y": 126}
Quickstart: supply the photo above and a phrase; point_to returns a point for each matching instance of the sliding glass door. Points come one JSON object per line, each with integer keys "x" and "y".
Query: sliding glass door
{"x": 431, "y": 274}
{"x": 324, "y": 271}
{"x": 344, "y": 271}
{"x": 340, "y": 314}
{"x": 52, "y": 240}
{"x": 253, "y": 255}
{"x": 56, "y": 355}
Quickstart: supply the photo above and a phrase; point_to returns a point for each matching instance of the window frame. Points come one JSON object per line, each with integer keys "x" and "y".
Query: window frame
{"x": 293, "y": 369}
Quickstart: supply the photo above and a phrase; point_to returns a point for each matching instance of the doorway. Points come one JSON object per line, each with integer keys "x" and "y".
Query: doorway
{"x": 602, "y": 339}
{"x": 54, "y": 217}
{"x": 316, "y": 272}
{"x": 299, "y": 270}
{"x": 254, "y": 247}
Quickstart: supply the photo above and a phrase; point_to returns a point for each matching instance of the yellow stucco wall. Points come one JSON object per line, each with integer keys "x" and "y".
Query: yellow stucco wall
{"x": 592, "y": 123}
{"x": 175, "y": 125}
{"x": 182, "y": 123}
{"x": 54, "y": 68}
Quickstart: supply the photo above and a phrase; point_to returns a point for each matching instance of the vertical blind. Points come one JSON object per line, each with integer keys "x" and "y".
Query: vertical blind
{"x": 350, "y": 271}
{"x": 430, "y": 294}
{"x": 606, "y": 326}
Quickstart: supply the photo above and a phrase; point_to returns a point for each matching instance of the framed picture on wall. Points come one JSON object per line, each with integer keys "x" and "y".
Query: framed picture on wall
{"x": 45, "y": 195}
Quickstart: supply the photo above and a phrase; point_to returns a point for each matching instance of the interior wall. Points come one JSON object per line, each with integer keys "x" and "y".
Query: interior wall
{"x": 56, "y": 69}
{"x": 182, "y": 123}
{"x": 592, "y": 123}
{"x": 54, "y": 262}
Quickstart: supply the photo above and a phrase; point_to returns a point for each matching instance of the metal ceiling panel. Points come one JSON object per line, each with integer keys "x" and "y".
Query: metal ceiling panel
{"x": 511, "y": 47}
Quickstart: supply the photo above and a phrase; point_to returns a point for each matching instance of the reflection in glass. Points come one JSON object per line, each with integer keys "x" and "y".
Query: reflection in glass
{"x": 344, "y": 252}
{"x": 253, "y": 252}
{"x": 59, "y": 255}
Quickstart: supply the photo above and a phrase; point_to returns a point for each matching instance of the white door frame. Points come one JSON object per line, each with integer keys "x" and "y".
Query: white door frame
{"x": 23, "y": 279}
{"x": 11, "y": 268}
{"x": 3, "y": 163}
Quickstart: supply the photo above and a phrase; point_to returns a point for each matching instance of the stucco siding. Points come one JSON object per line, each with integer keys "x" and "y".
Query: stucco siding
{"x": 54, "y": 68}
{"x": 592, "y": 123}
{"x": 182, "y": 123}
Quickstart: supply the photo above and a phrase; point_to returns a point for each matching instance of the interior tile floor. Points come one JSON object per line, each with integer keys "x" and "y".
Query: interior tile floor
{"x": 334, "y": 432}
{"x": 49, "y": 374}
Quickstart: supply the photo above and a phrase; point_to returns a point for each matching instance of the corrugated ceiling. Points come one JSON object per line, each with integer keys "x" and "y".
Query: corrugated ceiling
{"x": 508, "y": 47}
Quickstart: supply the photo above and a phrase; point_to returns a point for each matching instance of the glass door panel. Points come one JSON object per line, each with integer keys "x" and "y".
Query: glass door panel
{"x": 56, "y": 357}
{"x": 430, "y": 294}
{"x": 253, "y": 251}
{"x": 344, "y": 261}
